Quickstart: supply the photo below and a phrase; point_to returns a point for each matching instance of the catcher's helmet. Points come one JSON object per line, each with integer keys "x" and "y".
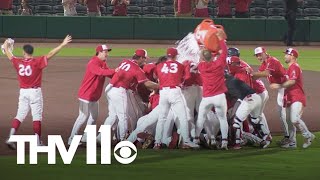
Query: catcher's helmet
{"x": 233, "y": 51}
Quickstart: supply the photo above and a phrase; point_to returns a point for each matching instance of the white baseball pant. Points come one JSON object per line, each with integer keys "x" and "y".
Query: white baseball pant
{"x": 172, "y": 98}
{"x": 193, "y": 96}
{"x": 88, "y": 111}
{"x": 118, "y": 110}
{"x": 30, "y": 99}
{"x": 295, "y": 112}
{"x": 219, "y": 102}
{"x": 282, "y": 112}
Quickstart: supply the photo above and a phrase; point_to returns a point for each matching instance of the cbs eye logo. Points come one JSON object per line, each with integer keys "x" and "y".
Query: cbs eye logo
{"x": 125, "y": 149}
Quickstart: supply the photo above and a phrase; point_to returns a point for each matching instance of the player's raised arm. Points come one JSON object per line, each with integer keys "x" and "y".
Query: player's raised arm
{"x": 54, "y": 51}
{"x": 6, "y": 49}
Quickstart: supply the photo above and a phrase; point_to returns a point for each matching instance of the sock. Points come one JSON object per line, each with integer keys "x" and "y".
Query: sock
{"x": 37, "y": 127}
{"x": 15, "y": 126}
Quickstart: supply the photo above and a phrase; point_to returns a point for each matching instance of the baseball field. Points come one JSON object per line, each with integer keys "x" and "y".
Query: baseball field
{"x": 61, "y": 81}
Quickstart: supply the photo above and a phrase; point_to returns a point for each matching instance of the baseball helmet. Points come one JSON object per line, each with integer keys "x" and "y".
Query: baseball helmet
{"x": 233, "y": 51}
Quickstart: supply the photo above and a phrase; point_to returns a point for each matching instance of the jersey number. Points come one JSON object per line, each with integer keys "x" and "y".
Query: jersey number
{"x": 125, "y": 66}
{"x": 193, "y": 68}
{"x": 173, "y": 68}
{"x": 25, "y": 70}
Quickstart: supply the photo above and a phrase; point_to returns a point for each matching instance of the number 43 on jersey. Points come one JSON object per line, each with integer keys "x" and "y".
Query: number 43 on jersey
{"x": 172, "y": 68}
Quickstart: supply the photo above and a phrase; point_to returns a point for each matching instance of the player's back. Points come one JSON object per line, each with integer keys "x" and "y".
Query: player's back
{"x": 212, "y": 75}
{"x": 170, "y": 73}
{"x": 128, "y": 75}
{"x": 29, "y": 71}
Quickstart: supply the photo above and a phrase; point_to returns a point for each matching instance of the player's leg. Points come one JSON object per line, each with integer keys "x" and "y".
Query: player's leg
{"x": 241, "y": 115}
{"x": 168, "y": 127}
{"x": 164, "y": 106}
{"x": 282, "y": 113}
{"x": 36, "y": 104}
{"x": 205, "y": 106}
{"x": 92, "y": 120}
{"x": 120, "y": 100}
{"x": 220, "y": 105}
{"x": 189, "y": 95}
{"x": 179, "y": 108}
{"x": 81, "y": 119}
{"x": 22, "y": 112}
{"x": 296, "y": 112}
{"x": 144, "y": 123}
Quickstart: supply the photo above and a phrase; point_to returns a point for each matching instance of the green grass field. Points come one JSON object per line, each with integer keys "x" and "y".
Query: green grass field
{"x": 248, "y": 163}
{"x": 308, "y": 59}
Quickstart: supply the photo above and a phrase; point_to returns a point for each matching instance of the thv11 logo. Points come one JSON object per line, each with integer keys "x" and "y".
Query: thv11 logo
{"x": 125, "y": 147}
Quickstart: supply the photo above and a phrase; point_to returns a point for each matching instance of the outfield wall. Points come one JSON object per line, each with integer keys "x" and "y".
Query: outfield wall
{"x": 53, "y": 27}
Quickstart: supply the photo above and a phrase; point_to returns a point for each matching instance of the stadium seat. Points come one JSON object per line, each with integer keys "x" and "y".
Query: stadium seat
{"x": 258, "y": 17}
{"x": 275, "y": 17}
{"x": 56, "y": 2}
{"x": 211, "y": 11}
{"x": 134, "y": 15}
{"x": 166, "y": 10}
{"x": 311, "y": 4}
{"x": 44, "y": 2}
{"x": 162, "y": 3}
{"x": 150, "y": 15}
{"x": 103, "y": 10}
{"x": 311, "y": 12}
{"x": 151, "y": 10}
{"x": 275, "y": 4}
{"x": 16, "y": 2}
{"x": 58, "y": 9}
{"x": 110, "y": 10}
{"x": 312, "y": 17}
{"x": 43, "y": 9}
{"x": 149, "y": 3}
{"x": 211, "y": 4}
{"x": 258, "y": 11}
{"x": 259, "y": 3}
{"x": 42, "y": 14}
{"x": 300, "y": 13}
{"x": 134, "y": 10}
{"x": 81, "y": 9}
{"x": 275, "y": 12}
{"x": 134, "y": 3}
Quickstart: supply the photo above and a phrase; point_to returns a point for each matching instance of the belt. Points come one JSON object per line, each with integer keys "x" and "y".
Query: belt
{"x": 33, "y": 87}
{"x": 169, "y": 87}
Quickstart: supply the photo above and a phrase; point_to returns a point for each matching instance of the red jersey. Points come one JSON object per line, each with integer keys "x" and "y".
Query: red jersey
{"x": 93, "y": 81}
{"x": 29, "y": 71}
{"x": 183, "y": 6}
{"x": 171, "y": 74}
{"x": 149, "y": 70}
{"x": 224, "y": 8}
{"x": 93, "y": 6}
{"x": 120, "y": 9}
{"x": 129, "y": 75}
{"x": 294, "y": 93}
{"x": 277, "y": 71}
{"x": 195, "y": 78}
{"x": 242, "y": 5}
{"x": 258, "y": 86}
{"x": 212, "y": 74}
{"x": 5, "y": 4}
{"x": 154, "y": 100}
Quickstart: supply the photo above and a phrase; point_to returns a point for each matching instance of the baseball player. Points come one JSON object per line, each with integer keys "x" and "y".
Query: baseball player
{"x": 129, "y": 74}
{"x": 214, "y": 88}
{"x": 253, "y": 105}
{"x": 171, "y": 74}
{"x": 294, "y": 99}
{"x": 29, "y": 71}
{"x": 273, "y": 70}
{"x": 91, "y": 89}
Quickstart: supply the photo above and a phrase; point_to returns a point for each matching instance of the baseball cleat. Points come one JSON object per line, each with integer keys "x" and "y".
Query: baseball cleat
{"x": 290, "y": 145}
{"x": 307, "y": 141}
{"x": 237, "y": 147}
{"x": 224, "y": 145}
{"x": 264, "y": 144}
{"x": 284, "y": 141}
{"x": 11, "y": 145}
{"x": 190, "y": 145}
{"x": 157, "y": 146}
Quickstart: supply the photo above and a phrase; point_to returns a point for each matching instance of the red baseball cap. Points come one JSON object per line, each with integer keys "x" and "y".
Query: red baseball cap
{"x": 102, "y": 47}
{"x": 292, "y": 52}
{"x": 259, "y": 50}
{"x": 172, "y": 52}
{"x": 142, "y": 53}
